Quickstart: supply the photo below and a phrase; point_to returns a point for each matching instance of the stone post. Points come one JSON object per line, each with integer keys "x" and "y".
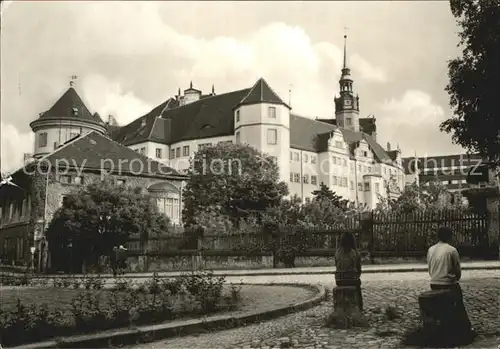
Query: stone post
{"x": 492, "y": 204}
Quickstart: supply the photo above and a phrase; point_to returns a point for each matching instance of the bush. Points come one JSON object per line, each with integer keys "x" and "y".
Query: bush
{"x": 94, "y": 309}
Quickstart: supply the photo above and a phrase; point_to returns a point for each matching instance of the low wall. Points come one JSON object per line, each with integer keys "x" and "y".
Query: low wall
{"x": 186, "y": 263}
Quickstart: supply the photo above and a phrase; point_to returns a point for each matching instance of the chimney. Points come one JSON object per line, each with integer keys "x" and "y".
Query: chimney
{"x": 388, "y": 146}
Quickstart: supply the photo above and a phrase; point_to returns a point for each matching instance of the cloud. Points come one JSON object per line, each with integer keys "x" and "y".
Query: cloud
{"x": 14, "y": 145}
{"x": 413, "y": 122}
{"x": 129, "y": 60}
{"x": 111, "y": 100}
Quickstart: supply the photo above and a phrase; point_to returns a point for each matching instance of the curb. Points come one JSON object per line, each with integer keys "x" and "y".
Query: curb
{"x": 162, "y": 331}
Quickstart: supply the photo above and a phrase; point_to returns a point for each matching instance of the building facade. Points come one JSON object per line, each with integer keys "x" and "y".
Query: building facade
{"x": 449, "y": 170}
{"x": 341, "y": 152}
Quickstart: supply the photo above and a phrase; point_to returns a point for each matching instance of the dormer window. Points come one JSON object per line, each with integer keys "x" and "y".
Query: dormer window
{"x": 143, "y": 122}
{"x": 75, "y": 111}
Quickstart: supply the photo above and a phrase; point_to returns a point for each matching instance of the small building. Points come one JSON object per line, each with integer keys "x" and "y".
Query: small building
{"x": 41, "y": 186}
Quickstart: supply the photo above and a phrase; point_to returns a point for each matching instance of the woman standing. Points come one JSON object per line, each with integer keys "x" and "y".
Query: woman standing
{"x": 348, "y": 265}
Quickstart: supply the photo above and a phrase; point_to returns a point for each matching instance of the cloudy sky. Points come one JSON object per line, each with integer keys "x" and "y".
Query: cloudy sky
{"x": 131, "y": 56}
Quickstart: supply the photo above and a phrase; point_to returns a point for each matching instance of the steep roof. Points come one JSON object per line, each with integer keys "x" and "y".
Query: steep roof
{"x": 308, "y": 134}
{"x": 64, "y": 108}
{"x": 145, "y": 127}
{"x": 94, "y": 151}
{"x": 211, "y": 116}
{"x": 261, "y": 92}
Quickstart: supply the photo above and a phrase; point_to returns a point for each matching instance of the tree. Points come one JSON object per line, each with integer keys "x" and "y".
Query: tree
{"x": 430, "y": 196}
{"x": 325, "y": 193}
{"x": 235, "y": 180}
{"x": 474, "y": 79}
{"x": 100, "y": 216}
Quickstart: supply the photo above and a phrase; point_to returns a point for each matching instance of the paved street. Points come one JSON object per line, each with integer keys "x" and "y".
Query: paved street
{"x": 306, "y": 329}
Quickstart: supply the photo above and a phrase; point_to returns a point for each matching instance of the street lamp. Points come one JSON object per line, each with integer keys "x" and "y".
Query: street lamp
{"x": 32, "y": 250}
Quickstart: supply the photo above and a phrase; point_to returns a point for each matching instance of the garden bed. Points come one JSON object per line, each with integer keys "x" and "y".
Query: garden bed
{"x": 35, "y": 313}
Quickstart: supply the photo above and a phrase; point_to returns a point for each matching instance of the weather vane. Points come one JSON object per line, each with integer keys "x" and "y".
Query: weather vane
{"x": 72, "y": 80}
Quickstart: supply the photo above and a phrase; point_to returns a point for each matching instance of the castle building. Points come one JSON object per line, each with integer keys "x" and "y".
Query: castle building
{"x": 341, "y": 152}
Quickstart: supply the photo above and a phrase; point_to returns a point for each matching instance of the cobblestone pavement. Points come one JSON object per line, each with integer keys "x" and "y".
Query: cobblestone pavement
{"x": 307, "y": 329}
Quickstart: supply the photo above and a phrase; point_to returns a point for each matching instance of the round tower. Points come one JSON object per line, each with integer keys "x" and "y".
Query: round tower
{"x": 65, "y": 120}
{"x": 262, "y": 120}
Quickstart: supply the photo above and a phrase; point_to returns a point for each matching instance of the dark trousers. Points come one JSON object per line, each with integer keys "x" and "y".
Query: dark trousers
{"x": 462, "y": 319}
{"x": 355, "y": 283}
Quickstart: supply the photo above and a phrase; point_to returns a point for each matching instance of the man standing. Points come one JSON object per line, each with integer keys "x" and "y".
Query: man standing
{"x": 445, "y": 272}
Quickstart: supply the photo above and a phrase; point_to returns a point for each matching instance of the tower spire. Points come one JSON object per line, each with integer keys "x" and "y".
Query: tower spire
{"x": 345, "y": 48}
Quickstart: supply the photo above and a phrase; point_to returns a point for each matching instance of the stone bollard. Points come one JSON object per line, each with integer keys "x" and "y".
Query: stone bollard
{"x": 345, "y": 298}
{"x": 346, "y": 313}
{"x": 442, "y": 322}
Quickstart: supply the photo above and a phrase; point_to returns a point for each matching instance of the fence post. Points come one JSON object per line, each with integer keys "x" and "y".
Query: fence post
{"x": 492, "y": 204}
{"x": 367, "y": 232}
{"x": 197, "y": 259}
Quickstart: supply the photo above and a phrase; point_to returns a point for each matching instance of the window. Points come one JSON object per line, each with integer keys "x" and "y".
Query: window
{"x": 185, "y": 150}
{"x": 306, "y": 158}
{"x": 334, "y": 160}
{"x": 73, "y": 135}
{"x": 237, "y": 116}
{"x": 313, "y": 159}
{"x": 65, "y": 179}
{"x": 238, "y": 137}
{"x": 296, "y": 177}
{"x": 42, "y": 140}
{"x": 306, "y": 179}
{"x": 377, "y": 187}
{"x": 367, "y": 186}
{"x": 143, "y": 151}
{"x": 78, "y": 180}
{"x": 62, "y": 200}
{"x": 344, "y": 182}
{"x": 365, "y": 154}
{"x": 172, "y": 153}
{"x": 338, "y": 144}
{"x": 296, "y": 156}
{"x": 291, "y": 176}
{"x": 271, "y": 112}
{"x": 55, "y": 145}
{"x": 314, "y": 180}
{"x": 344, "y": 162}
{"x": 352, "y": 185}
{"x": 360, "y": 186}
{"x": 158, "y": 153}
{"x": 334, "y": 180}
{"x": 272, "y": 136}
{"x": 178, "y": 152}
{"x": 369, "y": 169}
{"x": 348, "y": 122}
{"x": 291, "y": 156}
{"x": 206, "y": 145}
